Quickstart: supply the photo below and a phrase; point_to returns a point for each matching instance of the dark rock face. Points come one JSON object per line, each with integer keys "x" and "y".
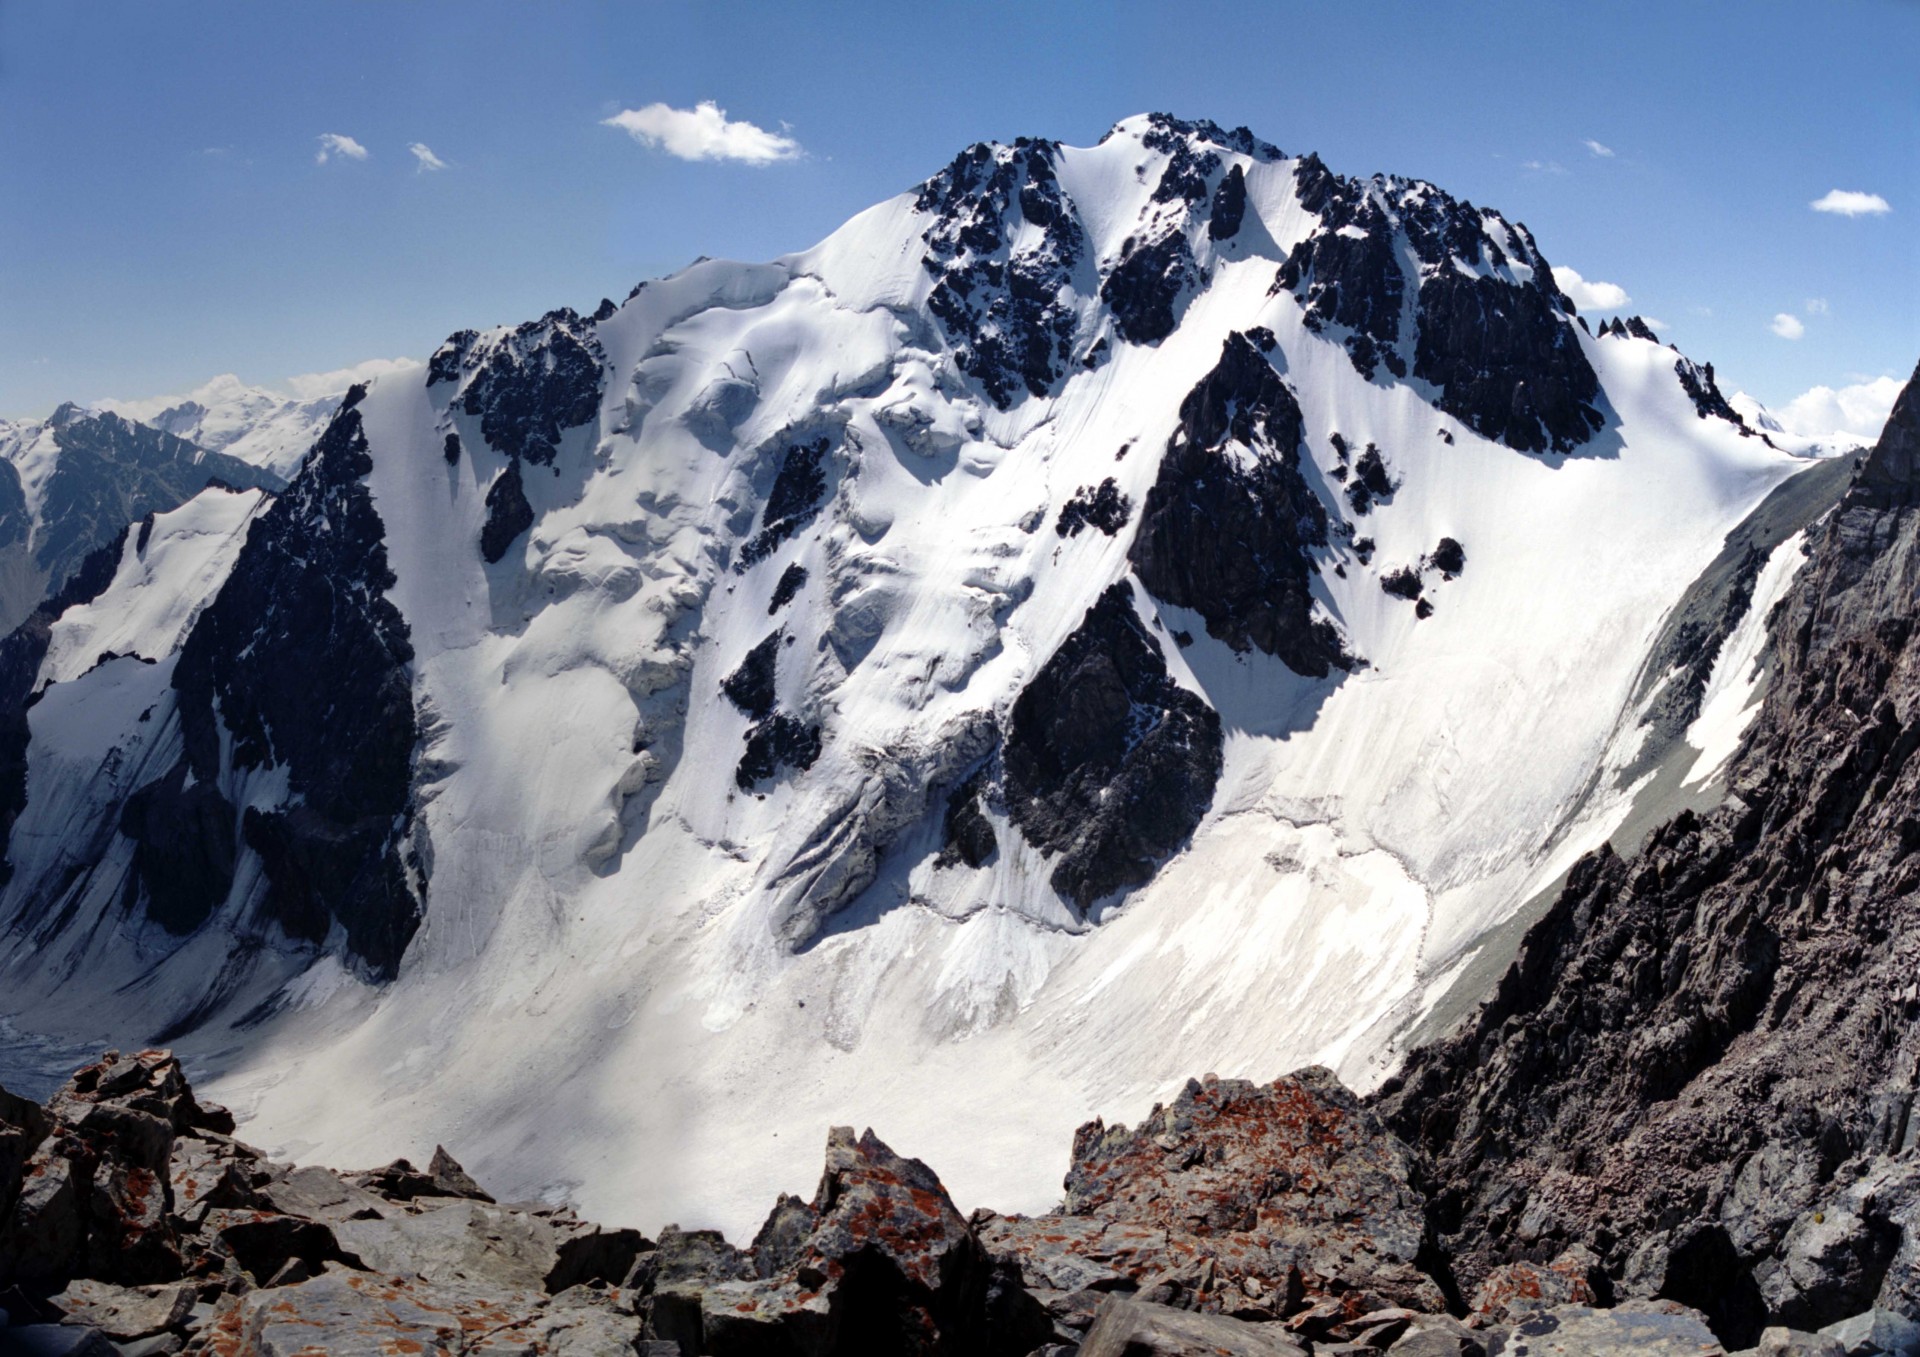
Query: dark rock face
{"x": 1699, "y": 625}
{"x": 20, "y": 656}
{"x": 1448, "y": 557}
{"x": 1701, "y": 1064}
{"x": 16, "y": 523}
{"x": 969, "y": 835}
{"x": 1230, "y": 524}
{"x": 794, "y": 501}
{"x": 508, "y": 513}
{"x": 780, "y": 741}
{"x": 1109, "y": 764}
{"x": 1370, "y": 484}
{"x": 1347, "y": 274}
{"x": 1697, "y": 381}
{"x": 451, "y": 449}
{"x": 1148, "y": 283}
{"x": 751, "y": 686}
{"x": 112, "y": 472}
{"x": 787, "y": 588}
{"x": 1001, "y": 308}
{"x": 304, "y": 662}
{"x": 530, "y": 385}
{"x": 1510, "y": 363}
{"x": 1229, "y": 206}
{"x": 1102, "y": 507}
{"x": 1504, "y": 352}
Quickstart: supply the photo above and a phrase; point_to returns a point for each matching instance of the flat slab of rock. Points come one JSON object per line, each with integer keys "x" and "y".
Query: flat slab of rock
{"x": 352, "y": 1315}
{"x": 1134, "y": 1328}
{"x": 1632, "y": 1330}
{"x": 123, "y": 1312}
{"x": 464, "y": 1243}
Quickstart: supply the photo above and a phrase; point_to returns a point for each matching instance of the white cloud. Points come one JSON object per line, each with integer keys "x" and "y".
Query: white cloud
{"x": 333, "y": 144}
{"x": 1544, "y": 166}
{"x": 1860, "y": 410}
{"x": 1816, "y": 306}
{"x": 308, "y": 385}
{"x": 1788, "y": 326}
{"x": 1604, "y": 152}
{"x": 703, "y": 132}
{"x": 428, "y": 160}
{"x": 1847, "y": 203}
{"x": 1590, "y": 296}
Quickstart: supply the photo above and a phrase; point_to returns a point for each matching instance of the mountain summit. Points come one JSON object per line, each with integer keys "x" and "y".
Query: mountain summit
{"x": 1102, "y": 613}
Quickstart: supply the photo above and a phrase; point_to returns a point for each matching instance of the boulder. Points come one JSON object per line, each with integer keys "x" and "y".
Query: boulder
{"x": 1439, "y": 1336}
{"x": 1516, "y": 1289}
{"x": 1134, "y": 1328}
{"x": 1254, "y": 1200}
{"x": 126, "y": 1312}
{"x": 1876, "y": 1331}
{"x": 348, "y": 1314}
{"x": 461, "y": 1243}
{"x": 1784, "y": 1342}
{"x": 1635, "y": 1329}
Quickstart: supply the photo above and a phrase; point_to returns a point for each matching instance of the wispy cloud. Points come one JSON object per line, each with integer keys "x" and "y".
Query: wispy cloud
{"x": 1543, "y": 166}
{"x": 308, "y": 385}
{"x": 1590, "y": 295}
{"x": 334, "y": 144}
{"x": 1787, "y": 326}
{"x": 1849, "y": 203}
{"x": 704, "y": 132}
{"x": 1604, "y": 152}
{"x": 423, "y": 153}
{"x": 1816, "y": 306}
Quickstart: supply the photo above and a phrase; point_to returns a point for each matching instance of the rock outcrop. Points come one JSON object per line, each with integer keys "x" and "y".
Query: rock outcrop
{"x": 1703, "y": 1064}
{"x": 1109, "y": 764}
{"x": 1277, "y": 1220}
{"x": 1230, "y": 525}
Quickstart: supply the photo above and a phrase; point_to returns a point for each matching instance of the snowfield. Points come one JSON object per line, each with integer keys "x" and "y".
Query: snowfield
{"x": 645, "y": 988}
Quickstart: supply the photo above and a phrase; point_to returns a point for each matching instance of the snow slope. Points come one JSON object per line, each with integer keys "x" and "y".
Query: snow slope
{"x": 648, "y": 981}
{"x": 260, "y": 427}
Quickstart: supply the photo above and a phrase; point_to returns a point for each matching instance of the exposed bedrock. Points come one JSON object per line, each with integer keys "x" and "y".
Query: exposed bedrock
{"x": 529, "y": 385}
{"x": 1703, "y": 1064}
{"x": 302, "y": 661}
{"x": 1229, "y": 527}
{"x": 1491, "y": 330}
{"x": 1109, "y": 764}
{"x": 20, "y": 655}
{"x": 1006, "y": 310}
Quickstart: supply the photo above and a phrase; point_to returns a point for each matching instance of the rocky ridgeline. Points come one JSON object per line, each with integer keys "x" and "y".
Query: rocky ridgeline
{"x": 1242, "y": 1219}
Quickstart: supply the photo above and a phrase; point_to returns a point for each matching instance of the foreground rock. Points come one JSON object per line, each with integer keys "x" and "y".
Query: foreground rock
{"x": 1251, "y": 1220}
{"x": 1702, "y": 1066}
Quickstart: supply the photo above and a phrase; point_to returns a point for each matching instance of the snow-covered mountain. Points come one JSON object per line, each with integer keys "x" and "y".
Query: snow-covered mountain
{"x": 1106, "y": 613}
{"x": 260, "y": 427}
{"x": 74, "y": 482}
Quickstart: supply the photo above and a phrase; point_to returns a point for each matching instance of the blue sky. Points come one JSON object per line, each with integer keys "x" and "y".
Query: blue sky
{"x": 166, "y": 217}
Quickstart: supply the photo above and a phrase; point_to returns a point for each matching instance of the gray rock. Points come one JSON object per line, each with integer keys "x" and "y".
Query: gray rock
{"x": 1133, "y": 1328}
{"x": 461, "y": 1243}
{"x": 1439, "y": 1336}
{"x": 1783, "y": 1342}
{"x": 126, "y": 1312}
{"x": 348, "y": 1314}
{"x": 1658, "y": 1329}
{"x": 323, "y": 1195}
{"x": 1876, "y": 1332}
{"x": 160, "y": 1345}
